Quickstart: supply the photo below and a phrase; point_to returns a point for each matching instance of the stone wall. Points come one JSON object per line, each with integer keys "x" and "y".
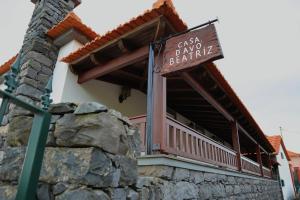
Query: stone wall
{"x": 168, "y": 183}
{"x": 91, "y": 154}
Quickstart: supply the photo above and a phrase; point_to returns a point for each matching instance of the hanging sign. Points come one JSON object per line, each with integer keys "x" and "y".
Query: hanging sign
{"x": 191, "y": 49}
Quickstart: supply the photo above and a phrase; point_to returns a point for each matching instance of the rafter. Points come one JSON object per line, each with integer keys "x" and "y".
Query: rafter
{"x": 113, "y": 65}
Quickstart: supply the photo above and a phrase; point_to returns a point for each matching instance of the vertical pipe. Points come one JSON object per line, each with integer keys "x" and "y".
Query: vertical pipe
{"x": 149, "y": 125}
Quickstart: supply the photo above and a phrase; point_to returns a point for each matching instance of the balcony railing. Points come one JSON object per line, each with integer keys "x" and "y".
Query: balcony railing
{"x": 267, "y": 172}
{"x": 250, "y": 166}
{"x": 181, "y": 140}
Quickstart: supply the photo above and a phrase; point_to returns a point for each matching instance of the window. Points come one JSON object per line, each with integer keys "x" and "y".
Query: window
{"x": 282, "y": 156}
{"x": 282, "y": 183}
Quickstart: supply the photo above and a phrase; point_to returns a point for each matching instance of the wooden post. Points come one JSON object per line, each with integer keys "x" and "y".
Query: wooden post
{"x": 236, "y": 144}
{"x": 270, "y": 165}
{"x": 259, "y": 160}
{"x": 159, "y": 109}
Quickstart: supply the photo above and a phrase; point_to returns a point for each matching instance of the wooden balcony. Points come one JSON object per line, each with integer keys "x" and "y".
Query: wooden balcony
{"x": 181, "y": 140}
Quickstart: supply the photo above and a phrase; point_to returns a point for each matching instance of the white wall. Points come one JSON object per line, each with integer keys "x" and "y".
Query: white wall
{"x": 66, "y": 89}
{"x": 284, "y": 173}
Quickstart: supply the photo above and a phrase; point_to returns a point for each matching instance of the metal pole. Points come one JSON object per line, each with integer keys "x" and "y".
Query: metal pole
{"x": 149, "y": 124}
{"x": 34, "y": 156}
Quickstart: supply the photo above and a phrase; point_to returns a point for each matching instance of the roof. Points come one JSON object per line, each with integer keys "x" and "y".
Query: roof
{"x": 293, "y": 154}
{"x": 71, "y": 21}
{"x": 161, "y": 7}
{"x": 237, "y": 101}
{"x": 7, "y": 65}
{"x": 276, "y": 141}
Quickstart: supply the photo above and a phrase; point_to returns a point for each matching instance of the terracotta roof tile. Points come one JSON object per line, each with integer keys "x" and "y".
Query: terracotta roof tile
{"x": 71, "y": 21}
{"x": 7, "y": 65}
{"x": 293, "y": 154}
{"x": 165, "y": 8}
{"x": 276, "y": 141}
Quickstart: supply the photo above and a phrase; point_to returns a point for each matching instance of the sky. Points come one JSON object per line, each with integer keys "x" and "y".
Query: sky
{"x": 260, "y": 42}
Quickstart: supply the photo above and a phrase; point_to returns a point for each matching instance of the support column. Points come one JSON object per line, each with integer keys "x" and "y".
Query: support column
{"x": 270, "y": 164}
{"x": 159, "y": 111}
{"x": 156, "y": 105}
{"x": 259, "y": 160}
{"x": 38, "y": 58}
{"x": 38, "y": 52}
{"x": 236, "y": 144}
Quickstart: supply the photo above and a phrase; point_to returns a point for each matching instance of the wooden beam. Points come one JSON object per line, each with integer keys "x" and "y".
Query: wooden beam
{"x": 200, "y": 89}
{"x": 191, "y": 105}
{"x": 182, "y": 98}
{"x": 129, "y": 75}
{"x": 115, "y": 64}
{"x": 180, "y": 90}
{"x": 160, "y": 30}
{"x": 95, "y": 60}
{"x": 123, "y": 46}
{"x": 236, "y": 144}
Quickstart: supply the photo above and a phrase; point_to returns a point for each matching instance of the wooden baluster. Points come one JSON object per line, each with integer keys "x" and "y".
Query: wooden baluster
{"x": 200, "y": 148}
{"x": 192, "y": 145}
{"x": 174, "y": 138}
{"x": 197, "y": 146}
{"x": 182, "y": 148}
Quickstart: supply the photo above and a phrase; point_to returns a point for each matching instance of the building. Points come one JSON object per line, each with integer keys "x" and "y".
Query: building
{"x": 284, "y": 168}
{"x": 199, "y": 122}
{"x": 295, "y": 167}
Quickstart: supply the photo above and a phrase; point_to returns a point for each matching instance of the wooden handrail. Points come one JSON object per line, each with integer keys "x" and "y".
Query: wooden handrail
{"x": 202, "y": 135}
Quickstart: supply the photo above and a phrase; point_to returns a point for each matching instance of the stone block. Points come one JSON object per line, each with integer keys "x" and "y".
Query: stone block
{"x": 29, "y": 73}
{"x": 8, "y": 192}
{"x": 185, "y": 190}
{"x": 90, "y": 107}
{"x": 38, "y": 57}
{"x": 196, "y": 177}
{"x": 79, "y": 165}
{"x": 132, "y": 195}
{"x": 88, "y": 166}
{"x": 29, "y": 91}
{"x": 62, "y": 108}
{"x": 210, "y": 177}
{"x": 117, "y": 193}
{"x": 19, "y": 130}
{"x": 128, "y": 167}
{"x": 83, "y": 193}
{"x": 98, "y": 130}
{"x": 164, "y": 172}
{"x": 134, "y": 140}
{"x": 181, "y": 174}
{"x": 11, "y": 161}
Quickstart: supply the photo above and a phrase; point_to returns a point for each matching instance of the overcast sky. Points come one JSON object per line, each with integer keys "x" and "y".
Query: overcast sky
{"x": 260, "y": 41}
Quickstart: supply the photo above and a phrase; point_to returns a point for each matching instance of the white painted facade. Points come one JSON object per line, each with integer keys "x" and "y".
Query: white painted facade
{"x": 66, "y": 88}
{"x": 285, "y": 175}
